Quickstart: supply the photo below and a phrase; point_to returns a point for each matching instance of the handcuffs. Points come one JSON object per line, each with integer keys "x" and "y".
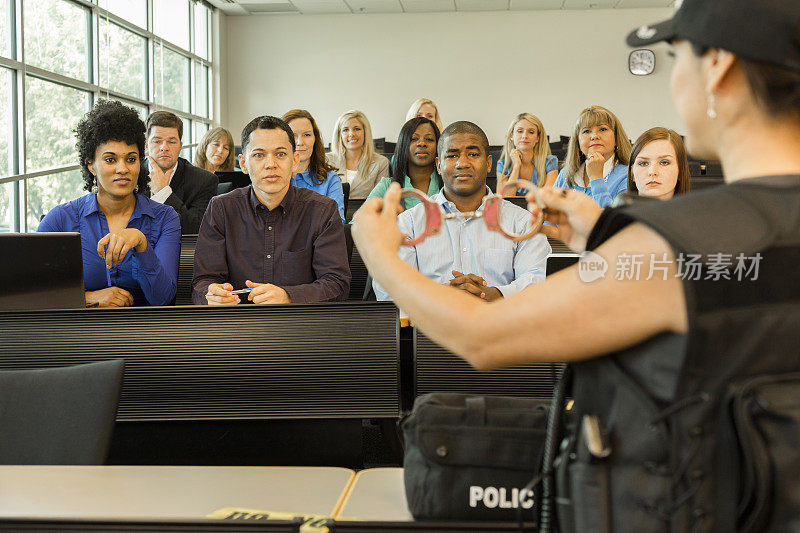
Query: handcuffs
{"x": 492, "y": 203}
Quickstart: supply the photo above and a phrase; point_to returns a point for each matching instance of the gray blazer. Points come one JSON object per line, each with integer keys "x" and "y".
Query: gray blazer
{"x": 362, "y": 185}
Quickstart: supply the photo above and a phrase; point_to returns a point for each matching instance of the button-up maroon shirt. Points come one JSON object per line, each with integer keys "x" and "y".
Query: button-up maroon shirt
{"x": 298, "y": 246}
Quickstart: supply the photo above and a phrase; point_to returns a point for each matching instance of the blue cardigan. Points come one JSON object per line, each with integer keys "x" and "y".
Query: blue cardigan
{"x": 602, "y": 191}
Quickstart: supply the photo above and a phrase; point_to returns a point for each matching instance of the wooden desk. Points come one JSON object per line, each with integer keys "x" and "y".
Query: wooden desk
{"x": 376, "y": 494}
{"x": 167, "y": 492}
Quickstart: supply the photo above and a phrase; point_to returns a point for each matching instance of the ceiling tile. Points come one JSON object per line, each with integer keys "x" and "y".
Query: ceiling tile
{"x": 588, "y": 4}
{"x": 644, "y": 3}
{"x": 375, "y": 6}
{"x": 318, "y": 7}
{"x": 535, "y": 4}
{"x": 428, "y": 6}
{"x": 482, "y": 5}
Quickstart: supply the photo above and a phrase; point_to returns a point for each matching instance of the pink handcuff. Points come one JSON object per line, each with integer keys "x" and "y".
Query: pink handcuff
{"x": 435, "y": 215}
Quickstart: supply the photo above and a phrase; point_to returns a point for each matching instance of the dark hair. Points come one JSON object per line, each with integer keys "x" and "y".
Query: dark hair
{"x": 265, "y": 122}
{"x": 165, "y": 119}
{"x": 400, "y": 158}
{"x": 110, "y": 120}
{"x": 775, "y": 89}
{"x": 318, "y": 166}
{"x": 683, "y": 184}
{"x": 463, "y": 126}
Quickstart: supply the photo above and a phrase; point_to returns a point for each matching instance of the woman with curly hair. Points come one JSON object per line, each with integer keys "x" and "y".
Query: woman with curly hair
{"x": 130, "y": 243}
{"x": 313, "y": 172}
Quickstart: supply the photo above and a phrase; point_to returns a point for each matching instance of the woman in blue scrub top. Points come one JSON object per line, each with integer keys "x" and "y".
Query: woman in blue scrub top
{"x": 130, "y": 243}
{"x": 597, "y": 157}
{"x": 526, "y": 154}
{"x": 413, "y": 164}
{"x": 313, "y": 171}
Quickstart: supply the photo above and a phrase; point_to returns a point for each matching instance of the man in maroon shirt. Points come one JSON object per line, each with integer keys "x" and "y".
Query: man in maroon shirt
{"x": 284, "y": 243}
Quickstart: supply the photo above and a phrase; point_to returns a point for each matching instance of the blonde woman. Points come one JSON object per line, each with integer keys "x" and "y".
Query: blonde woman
{"x": 597, "y": 157}
{"x": 526, "y": 154}
{"x": 215, "y": 151}
{"x": 427, "y": 109}
{"x": 353, "y": 154}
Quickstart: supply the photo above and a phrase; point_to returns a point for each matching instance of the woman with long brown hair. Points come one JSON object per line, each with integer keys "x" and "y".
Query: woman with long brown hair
{"x": 659, "y": 167}
{"x": 313, "y": 171}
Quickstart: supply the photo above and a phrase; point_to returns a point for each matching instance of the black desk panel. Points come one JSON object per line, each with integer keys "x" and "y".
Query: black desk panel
{"x": 336, "y": 360}
{"x": 439, "y": 370}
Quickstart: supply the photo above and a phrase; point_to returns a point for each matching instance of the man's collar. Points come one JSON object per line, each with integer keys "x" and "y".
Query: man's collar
{"x": 285, "y": 205}
{"x": 450, "y": 207}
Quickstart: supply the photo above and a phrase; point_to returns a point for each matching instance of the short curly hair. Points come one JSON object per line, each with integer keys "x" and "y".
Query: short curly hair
{"x": 110, "y": 120}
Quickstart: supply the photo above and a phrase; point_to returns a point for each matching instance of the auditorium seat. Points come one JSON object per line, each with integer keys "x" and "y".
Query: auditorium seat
{"x": 59, "y": 415}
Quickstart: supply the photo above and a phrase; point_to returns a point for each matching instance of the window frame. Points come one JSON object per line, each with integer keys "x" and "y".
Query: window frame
{"x": 20, "y": 69}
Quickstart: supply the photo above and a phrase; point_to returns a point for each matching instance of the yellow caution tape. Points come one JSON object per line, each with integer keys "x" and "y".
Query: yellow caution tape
{"x": 311, "y": 522}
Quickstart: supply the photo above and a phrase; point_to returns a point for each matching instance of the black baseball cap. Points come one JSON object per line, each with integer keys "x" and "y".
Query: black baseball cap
{"x": 765, "y": 31}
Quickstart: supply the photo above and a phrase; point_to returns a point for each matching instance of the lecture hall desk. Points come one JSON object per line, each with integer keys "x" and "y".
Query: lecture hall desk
{"x": 167, "y": 492}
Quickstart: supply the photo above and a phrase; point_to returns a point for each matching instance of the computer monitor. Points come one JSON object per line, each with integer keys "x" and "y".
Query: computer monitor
{"x": 41, "y": 271}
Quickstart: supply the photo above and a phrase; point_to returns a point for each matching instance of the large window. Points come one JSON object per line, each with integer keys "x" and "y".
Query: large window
{"x": 123, "y": 60}
{"x": 57, "y": 37}
{"x": 58, "y": 57}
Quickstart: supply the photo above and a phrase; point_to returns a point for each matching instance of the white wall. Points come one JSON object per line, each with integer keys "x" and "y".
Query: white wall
{"x": 484, "y": 67}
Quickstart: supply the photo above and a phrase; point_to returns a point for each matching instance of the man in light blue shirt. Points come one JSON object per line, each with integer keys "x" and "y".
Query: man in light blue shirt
{"x": 465, "y": 254}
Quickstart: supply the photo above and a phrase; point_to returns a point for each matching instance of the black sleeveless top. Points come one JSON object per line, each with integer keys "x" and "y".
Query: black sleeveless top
{"x": 660, "y": 401}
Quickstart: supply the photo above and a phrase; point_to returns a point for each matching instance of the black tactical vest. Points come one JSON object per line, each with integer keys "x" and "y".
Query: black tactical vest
{"x": 703, "y": 429}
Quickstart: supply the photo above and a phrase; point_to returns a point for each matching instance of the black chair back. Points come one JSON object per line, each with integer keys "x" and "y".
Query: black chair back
{"x": 348, "y": 241}
{"x": 358, "y": 276}
{"x": 223, "y": 187}
{"x": 59, "y": 415}
{"x": 183, "y": 296}
{"x": 346, "y": 191}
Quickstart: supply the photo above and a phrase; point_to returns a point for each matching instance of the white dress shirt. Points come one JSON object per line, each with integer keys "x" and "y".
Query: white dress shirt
{"x": 468, "y": 246}
{"x": 162, "y": 195}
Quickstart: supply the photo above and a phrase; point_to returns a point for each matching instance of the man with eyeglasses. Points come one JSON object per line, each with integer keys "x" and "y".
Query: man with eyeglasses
{"x": 173, "y": 180}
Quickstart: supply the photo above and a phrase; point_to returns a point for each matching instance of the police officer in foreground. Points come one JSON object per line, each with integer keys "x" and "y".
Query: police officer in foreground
{"x": 686, "y": 375}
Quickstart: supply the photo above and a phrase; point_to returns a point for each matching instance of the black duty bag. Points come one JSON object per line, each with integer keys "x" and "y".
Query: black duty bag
{"x": 468, "y": 457}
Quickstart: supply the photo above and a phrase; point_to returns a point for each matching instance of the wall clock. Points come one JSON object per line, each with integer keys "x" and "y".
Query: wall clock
{"x": 642, "y": 62}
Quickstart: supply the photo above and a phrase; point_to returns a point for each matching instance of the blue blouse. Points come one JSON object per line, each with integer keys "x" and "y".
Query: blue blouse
{"x": 331, "y": 187}
{"x": 550, "y": 164}
{"x": 603, "y": 191}
{"x": 151, "y": 276}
